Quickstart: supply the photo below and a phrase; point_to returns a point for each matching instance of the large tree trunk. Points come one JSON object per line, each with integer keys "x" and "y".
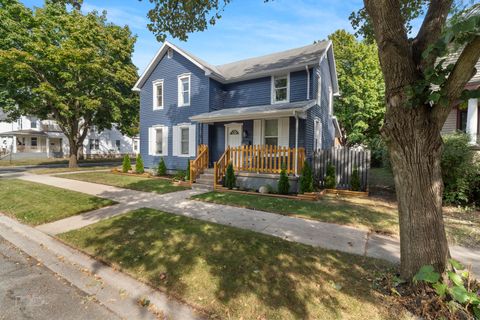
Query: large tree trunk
{"x": 73, "y": 155}
{"x": 415, "y": 147}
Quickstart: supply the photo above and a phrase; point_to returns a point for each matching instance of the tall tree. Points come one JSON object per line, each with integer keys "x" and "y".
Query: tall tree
{"x": 74, "y": 68}
{"x": 420, "y": 89}
{"x": 361, "y": 106}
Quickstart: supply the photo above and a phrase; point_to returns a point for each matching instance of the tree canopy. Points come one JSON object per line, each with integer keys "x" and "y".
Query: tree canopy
{"x": 74, "y": 68}
{"x": 360, "y": 108}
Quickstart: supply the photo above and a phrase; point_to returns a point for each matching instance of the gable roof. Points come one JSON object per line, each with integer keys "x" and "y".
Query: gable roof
{"x": 292, "y": 59}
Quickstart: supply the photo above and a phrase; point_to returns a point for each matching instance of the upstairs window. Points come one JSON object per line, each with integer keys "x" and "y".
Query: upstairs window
{"x": 184, "y": 90}
{"x": 280, "y": 88}
{"x": 158, "y": 95}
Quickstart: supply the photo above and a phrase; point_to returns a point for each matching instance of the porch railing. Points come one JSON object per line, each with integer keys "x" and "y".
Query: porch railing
{"x": 260, "y": 159}
{"x": 200, "y": 163}
{"x": 31, "y": 149}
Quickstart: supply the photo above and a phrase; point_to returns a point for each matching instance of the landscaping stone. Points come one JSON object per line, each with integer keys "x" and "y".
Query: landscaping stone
{"x": 264, "y": 189}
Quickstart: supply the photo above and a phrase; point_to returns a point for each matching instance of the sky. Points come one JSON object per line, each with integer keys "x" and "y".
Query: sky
{"x": 248, "y": 28}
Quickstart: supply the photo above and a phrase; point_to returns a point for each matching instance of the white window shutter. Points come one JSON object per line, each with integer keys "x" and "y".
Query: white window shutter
{"x": 151, "y": 141}
{"x": 283, "y": 132}
{"x": 165, "y": 141}
{"x": 257, "y": 132}
{"x": 176, "y": 140}
{"x": 192, "y": 142}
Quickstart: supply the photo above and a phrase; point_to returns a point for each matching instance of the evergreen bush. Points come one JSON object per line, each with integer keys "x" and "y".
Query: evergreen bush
{"x": 126, "y": 164}
{"x": 306, "y": 179}
{"x": 187, "y": 174}
{"x": 330, "y": 177}
{"x": 355, "y": 182}
{"x": 162, "y": 168}
{"x": 283, "y": 183}
{"x": 139, "y": 168}
{"x": 230, "y": 177}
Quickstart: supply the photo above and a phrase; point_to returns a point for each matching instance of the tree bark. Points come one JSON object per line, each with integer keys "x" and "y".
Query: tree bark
{"x": 73, "y": 156}
{"x": 415, "y": 147}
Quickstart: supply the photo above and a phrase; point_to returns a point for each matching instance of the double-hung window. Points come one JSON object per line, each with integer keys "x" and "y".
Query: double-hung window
{"x": 280, "y": 88}
{"x": 271, "y": 132}
{"x": 184, "y": 140}
{"x": 159, "y": 141}
{"x": 158, "y": 94}
{"x": 184, "y": 90}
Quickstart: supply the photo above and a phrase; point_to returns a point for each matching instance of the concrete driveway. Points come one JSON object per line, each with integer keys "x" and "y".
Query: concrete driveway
{"x": 29, "y": 290}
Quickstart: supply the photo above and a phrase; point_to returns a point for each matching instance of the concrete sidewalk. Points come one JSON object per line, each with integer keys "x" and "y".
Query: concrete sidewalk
{"x": 316, "y": 233}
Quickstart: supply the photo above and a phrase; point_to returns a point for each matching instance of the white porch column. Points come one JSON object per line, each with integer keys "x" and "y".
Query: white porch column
{"x": 472, "y": 120}
{"x": 47, "y": 142}
{"x": 14, "y": 144}
{"x": 296, "y": 145}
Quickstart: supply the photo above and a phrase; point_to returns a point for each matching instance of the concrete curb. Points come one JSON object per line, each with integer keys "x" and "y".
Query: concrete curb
{"x": 113, "y": 289}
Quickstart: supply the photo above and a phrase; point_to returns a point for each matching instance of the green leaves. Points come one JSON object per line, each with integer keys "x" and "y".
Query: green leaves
{"x": 457, "y": 265}
{"x": 459, "y": 293}
{"x": 75, "y": 68}
{"x": 455, "y": 278}
{"x": 427, "y": 274}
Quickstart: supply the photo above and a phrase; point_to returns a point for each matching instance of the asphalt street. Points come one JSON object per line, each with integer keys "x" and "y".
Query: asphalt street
{"x": 28, "y": 290}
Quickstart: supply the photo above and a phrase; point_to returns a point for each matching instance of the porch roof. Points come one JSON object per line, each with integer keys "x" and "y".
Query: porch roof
{"x": 256, "y": 112}
{"x": 23, "y": 133}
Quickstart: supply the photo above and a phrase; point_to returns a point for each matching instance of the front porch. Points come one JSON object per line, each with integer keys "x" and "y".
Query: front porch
{"x": 32, "y": 143}
{"x": 254, "y": 165}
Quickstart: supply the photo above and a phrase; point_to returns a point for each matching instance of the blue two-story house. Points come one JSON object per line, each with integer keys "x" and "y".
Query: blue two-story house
{"x": 256, "y": 112}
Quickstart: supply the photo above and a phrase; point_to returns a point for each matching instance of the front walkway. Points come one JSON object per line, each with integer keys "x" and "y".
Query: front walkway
{"x": 316, "y": 233}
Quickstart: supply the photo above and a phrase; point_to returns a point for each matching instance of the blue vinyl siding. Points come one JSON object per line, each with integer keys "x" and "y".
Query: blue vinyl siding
{"x": 248, "y": 93}
{"x": 298, "y": 85}
{"x": 217, "y": 95}
{"x": 169, "y": 70}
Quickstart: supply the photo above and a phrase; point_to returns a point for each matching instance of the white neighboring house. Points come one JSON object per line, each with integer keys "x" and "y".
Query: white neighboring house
{"x": 29, "y": 137}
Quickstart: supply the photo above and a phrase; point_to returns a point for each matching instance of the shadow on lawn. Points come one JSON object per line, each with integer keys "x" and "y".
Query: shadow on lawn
{"x": 235, "y": 267}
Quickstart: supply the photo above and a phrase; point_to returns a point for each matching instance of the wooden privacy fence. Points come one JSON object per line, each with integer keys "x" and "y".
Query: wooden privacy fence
{"x": 344, "y": 160}
{"x": 260, "y": 159}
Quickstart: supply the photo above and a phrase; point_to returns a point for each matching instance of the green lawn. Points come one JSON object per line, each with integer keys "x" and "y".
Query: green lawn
{"x": 62, "y": 170}
{"x": 124, "y": 181}
{"x": 378, "y": 215}
{"x": 237, "y": 274}
{"x": 24, "y": 162}
{"x": 35, "y": 203}
{"x": 355, "y": 212}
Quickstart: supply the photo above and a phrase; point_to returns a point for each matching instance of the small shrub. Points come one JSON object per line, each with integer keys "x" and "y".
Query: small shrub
{"x": 283, "y": 183}
{"x": 126, "y": 164}
{"x": 162, "y": 168}
{"x": 180, "y": 175}
{"x": 330, "y": 179}
{"x": 230, "y": 177}
{"x": 460, "y": 171}
{"x": 355, "y": 182}
{"x": 453, "y": 290}
{"x": 306, "y": 179}
{"x": 139, "y": 168}
{"x": 187, "y": 173}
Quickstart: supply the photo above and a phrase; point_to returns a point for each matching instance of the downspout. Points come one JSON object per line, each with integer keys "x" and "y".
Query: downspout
{"x": 296, "y": 143}
{"x": 308, "y": 82}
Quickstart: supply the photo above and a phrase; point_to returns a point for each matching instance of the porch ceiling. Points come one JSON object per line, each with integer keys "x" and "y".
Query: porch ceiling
{"x": 256, "y": 112}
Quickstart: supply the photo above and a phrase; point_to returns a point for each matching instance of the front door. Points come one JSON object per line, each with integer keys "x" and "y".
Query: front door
{"x": 233, "y": 134}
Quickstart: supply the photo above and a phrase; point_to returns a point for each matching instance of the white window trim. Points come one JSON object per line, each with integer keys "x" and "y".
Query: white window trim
{"x": 177, "y": 140}
{"x": 283, "y": 134}
{"x": 180, "y": 92}
{"x": 272, "y": 89}
{"x": 153, "y": 141}
{"x": 317, "y": 122}
{"x": 156, "y": 83}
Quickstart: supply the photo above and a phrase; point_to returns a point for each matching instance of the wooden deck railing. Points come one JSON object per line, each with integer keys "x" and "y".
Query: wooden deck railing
{"x": 200, "y": 163}
{"x": 260, "y": 159}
